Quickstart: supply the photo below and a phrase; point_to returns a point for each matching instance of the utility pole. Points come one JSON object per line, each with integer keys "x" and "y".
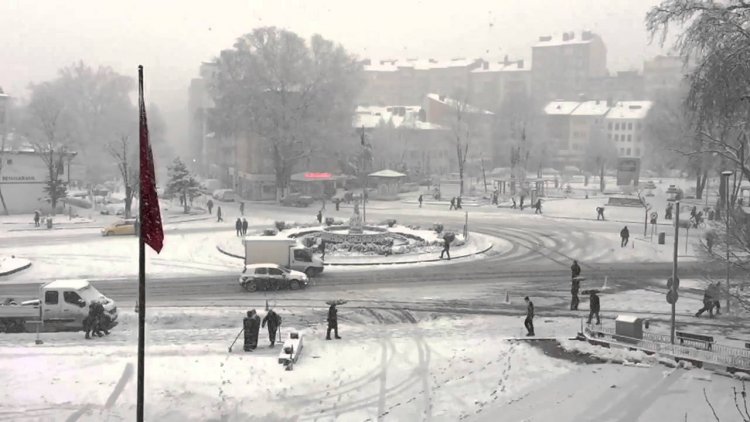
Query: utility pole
{"x": 725, "y": 175}
{"x": 484, "y": 176}
{"x": 675, "y": 281}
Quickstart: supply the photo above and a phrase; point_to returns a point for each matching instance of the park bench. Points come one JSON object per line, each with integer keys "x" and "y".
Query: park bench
{"x": 706, "y": 341}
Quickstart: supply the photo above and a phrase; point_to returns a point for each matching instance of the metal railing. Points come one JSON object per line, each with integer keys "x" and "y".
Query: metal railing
{"x": 719, "y": 354}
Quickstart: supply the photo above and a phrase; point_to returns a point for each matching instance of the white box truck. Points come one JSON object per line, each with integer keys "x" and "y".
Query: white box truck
{"x": 282, "y": 251}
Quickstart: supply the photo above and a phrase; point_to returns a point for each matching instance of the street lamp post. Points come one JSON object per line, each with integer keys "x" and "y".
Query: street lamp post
{"x": 725, "y": 175}
{"x": 675, "y": 281}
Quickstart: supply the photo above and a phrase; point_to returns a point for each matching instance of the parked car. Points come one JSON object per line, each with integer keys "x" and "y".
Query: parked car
{"x": 297, "y": 200}
{"x": 226, "y": 195}
{"x": 271, "y": 277}
{"x": 120, "y": 227}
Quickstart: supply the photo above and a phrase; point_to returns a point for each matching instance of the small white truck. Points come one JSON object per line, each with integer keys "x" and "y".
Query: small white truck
{"x": 62, "y": 305}
{"x": 282, "y": 251}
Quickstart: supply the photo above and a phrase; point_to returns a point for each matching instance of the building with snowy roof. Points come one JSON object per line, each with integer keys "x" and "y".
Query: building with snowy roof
{"x": 572, "y": 126}
{"x": 563, "y": 65}
{"x": 495, "y": 82}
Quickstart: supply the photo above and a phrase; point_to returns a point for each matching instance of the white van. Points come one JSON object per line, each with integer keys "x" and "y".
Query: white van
{"x": 226, "y": 195}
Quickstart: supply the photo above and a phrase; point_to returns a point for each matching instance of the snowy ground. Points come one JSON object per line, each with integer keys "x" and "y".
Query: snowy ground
{"x": 391, "y": 364}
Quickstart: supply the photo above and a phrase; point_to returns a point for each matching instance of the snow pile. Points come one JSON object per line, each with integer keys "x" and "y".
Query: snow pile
{"x": 11, "y": 264}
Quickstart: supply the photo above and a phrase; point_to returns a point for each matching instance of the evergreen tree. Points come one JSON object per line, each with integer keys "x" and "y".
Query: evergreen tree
{"x": 182, "y": 183}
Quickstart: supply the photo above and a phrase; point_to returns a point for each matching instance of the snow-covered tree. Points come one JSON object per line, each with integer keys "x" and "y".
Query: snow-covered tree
{"x": 124, "y": 153}
{"x": 182, "y": 184}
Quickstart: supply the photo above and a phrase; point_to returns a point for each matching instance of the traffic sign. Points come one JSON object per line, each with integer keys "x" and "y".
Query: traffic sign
{"x": 669, "y": 283}
{"x": 672, "y": 297}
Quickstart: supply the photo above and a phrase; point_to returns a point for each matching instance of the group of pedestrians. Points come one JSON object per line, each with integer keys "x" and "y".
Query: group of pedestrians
{"x": 455, "y": 203}
{"x": 711, "y": 300}
{"x": 97, "y": 321}
{"x": 241, "y": 226}
{"x": 252, "y": 324}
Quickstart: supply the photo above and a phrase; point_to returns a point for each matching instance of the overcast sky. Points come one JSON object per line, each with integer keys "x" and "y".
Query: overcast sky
{"x": 171, "y": 37}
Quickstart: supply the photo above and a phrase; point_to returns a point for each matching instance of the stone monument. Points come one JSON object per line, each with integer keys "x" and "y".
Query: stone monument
{"x": 355, "y": 221}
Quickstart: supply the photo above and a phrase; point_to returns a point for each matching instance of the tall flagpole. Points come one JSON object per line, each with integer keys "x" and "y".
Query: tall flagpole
{"x": 141, "y": 272}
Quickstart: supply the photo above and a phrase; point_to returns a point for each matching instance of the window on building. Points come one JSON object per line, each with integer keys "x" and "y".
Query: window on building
{"x": 9, "y": 162}
{"x": 630, "y": 138}
{"x": 609, "y": 126}
{"x": 622, "y": 151}
{"x": 617, "y": 126}
{"x": 609, "y": 136}
{"x": 628, "y": 151}
{"x": 617, "y": 137}
{"x": 630, "y": 126}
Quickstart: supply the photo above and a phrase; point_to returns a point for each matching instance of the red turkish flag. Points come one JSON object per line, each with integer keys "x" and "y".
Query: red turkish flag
{"x": 150, "y": 216}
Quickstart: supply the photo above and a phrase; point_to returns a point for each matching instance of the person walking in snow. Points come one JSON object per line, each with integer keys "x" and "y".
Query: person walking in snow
{"x": 242, "y": 208}
{"x": 538, "y": 206}
{"x": 420, "y": 200}
{"x": 514, "y": 206}
{"x": 238, "y": 226}
{"x": 210, "y": 205}
{"x": 319, "y": 216}
{"x": 337, "y": 201}
{"x": 668, "y": 212}
{"x": 244, "y": 226}
{"x": 624, "y": 236}
{"x": 708, "y": 304}
{"x": 251, "y": 325}
{"x": 529, "y": 321}
{"x": 37, "y": 217}
{"x": 520, "y": 205}
{"x": 446, "y": 248}
{"x": 594, "y": 307}
{"x": 322, "y": 248}
{"x": 274, "y": 322}
{"x": 458, "y": 203}
{"x": 218, "y": 215}
{"x": 599, "y": 213}
{"x": 333, "y": 322}
{"x": 716, "y": 296}
{"x": 453, "y": 204}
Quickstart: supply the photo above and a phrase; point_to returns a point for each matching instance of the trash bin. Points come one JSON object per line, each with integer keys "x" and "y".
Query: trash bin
{"x": 49, "y": 223}
{"x": 628, "y": 328}
{"x": 662, "y": 238}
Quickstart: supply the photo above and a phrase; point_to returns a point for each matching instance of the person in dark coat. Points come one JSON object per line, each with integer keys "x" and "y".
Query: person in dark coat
{"x": 244, "y": 227}
{"x": 337, "y": 201}
{"x": 218, "y": 215}
{"x": 333, "y": 322}
{"x": 320, "y": 216}
{"x": 575, "y": 286}
{"x": 668, "y": 212}
{"x": 693, "y": 211}
{"x": 420, "y": 201}
{"x": 529, "y": 321}
{"x": 238, "y": 226}
{"x": 453, "y": 204}
{"x": 624, "y": 236}
{"x": 599, "y": 213}
{"x": 446, "y": 249}
{"x": 37, "y": 217}
{"x": 538, "y": 206}
{"x": 716, "y": 297}
{"x": 251, "y": 325}
{"x": 458, "y": 203}
{"x": 514, "y": 206}
{"x": 594, "y": 307}
{"x": 520, "y": 205}
{"x": 322, "y": 248}
{"x": 274, "y": 322}
{"x": 575, "y": 272}
{"x": 242, "y": 209}
{"x": 708, "y": 303}
{"x": 210, "y": 205}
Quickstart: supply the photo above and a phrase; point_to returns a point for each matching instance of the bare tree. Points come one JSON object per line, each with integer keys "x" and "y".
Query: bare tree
{"x": 123, "y": 155}
{"x": 295, "y": 96}
{"x": 49, "y": 126}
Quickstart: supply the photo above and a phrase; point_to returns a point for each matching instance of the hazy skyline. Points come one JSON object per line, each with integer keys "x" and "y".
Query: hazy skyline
{"x": 171, "y": 38}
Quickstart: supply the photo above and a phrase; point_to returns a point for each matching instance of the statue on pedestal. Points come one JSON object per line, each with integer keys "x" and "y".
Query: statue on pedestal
{"x": 355, "y": 221}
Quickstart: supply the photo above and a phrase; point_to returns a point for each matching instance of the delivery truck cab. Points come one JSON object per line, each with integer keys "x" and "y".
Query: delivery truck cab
{"x": 282, "y": 251}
